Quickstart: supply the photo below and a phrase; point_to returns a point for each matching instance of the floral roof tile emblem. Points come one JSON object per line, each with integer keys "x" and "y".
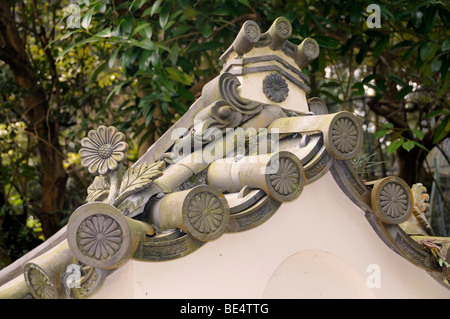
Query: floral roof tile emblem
{"x": 103, "y": 149}
{"x": 275, "y": 87}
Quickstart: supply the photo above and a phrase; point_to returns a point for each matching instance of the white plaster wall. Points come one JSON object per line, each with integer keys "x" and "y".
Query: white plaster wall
{"x": 252, "y": 84}
{"x": 258, "y": 263}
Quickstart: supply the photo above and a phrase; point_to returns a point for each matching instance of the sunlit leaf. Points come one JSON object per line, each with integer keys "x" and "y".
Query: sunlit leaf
{"x": 164, "y": 14}
{"x": 105, "y": 33}
{"x": 442, "y": 130}
{"x": 381, "y": 133}
{"x": 408, "y": 145}
{"x": 394, "y": 146}
{"x": 112, "y": 58}
{"x": 418, "y": 133}
{"x": 140, "y": 27}
{"x": 87, "y": 17}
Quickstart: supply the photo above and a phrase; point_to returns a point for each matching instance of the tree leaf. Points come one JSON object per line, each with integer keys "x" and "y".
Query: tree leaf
{"x": 146, "y": 32}
{"x": 429, "y": 18}
{"x": 394, "y": 145}
{"x": 155, "y": 7}
{"x": 362, "y": 53}
{"x": 126, "y": 25}
{"x": 112, "y": 58}
{"x": 178, "y": 76}
{"x": 381, "y": 133}
{"x": 427, "y": 49}
{"x": 349, "y": 44}
{"x": 146, "y": 44}
{"x": 70, "y": 47}
{"x": 416, "y": 15}
{"x": 401, "y": 45}
{"x": 418, "y": 133}
{"x": 408, "y": 145}
{"x": 97, "y": 71}
{"x": 435, "y": 113}
{"x": 355, "y": 12}
{"x": 138, "y": 178}
{"x": 403, "y": 92}
{"x": 183, "y": 3}
{"x": 206, "y": 29}
{"x": 397, "y": 80}
{"x": 212, "y": 45}
{"x": 140, "y": 27}
{"x": 245, "y": 3}
{"x": 87, "y": 17}
{"x": 446, "y": 45}
{"x": 144, "y": 60}
{"x": 380, "y": 46}
{"x": 442, "y": 130}
{"x": 316, "y": 21}
{"x": 105, "y": 33}
{"x": 164, "y": 14}
{"x": 326, "y": 42}
{"x": 421, "y": 146}
{"x": 359, "y": 88}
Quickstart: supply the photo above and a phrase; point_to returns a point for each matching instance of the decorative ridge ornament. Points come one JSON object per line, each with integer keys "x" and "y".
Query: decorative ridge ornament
{"x": 276, "y": 38}
{"x": 160, "y": 210}
{"x": 103, "y": 150}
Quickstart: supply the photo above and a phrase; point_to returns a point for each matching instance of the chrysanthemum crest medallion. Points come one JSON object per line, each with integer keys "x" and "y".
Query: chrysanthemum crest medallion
{"x": 103, "y": 150}
{"x": 275, "y": 87}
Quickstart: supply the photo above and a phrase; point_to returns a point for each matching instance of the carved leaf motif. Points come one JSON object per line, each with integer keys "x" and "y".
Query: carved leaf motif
{"x": 137, "y": 178}
{"x": 98, "y": 190}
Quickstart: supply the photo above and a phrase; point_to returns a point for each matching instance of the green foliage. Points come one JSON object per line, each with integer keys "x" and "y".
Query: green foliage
{"x": 362, "y": 164}
{"x": 395, "y": 76}
{"x": 161, "y": 49}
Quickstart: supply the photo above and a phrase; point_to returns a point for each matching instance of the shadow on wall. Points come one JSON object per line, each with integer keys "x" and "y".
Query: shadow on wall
{"x": 316, "y": 274}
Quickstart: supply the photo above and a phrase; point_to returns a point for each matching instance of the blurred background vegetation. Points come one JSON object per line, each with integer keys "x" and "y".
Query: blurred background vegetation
{"x": 68, "y": 66}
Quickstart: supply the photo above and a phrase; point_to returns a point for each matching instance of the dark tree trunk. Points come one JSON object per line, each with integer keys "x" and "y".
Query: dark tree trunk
{"x": 409, "y": 164}
{"x": 36, "y": 115}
